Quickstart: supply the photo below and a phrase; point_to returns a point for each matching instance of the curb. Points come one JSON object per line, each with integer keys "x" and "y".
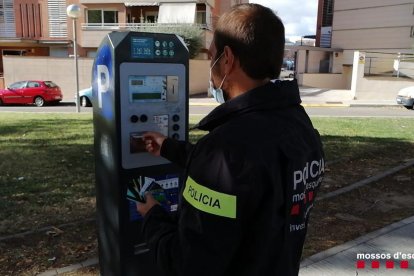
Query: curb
{"x": 324, "y": 105}
{"x": 202, "y": 104}
{"x": 327, "y": 104}
{"x": 366, "y": 181}
{"x": 373, "y": 104}
{"x": 66, "y": 269}
{"x": 316, "y": 104}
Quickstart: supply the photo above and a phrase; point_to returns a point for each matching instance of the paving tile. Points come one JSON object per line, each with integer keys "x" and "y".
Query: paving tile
{"x": 342, "y": 259}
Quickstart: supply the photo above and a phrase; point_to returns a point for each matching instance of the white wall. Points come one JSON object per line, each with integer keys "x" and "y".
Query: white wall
{"x": 380, "y": 88}
{"x": 373, "y": 39}
{"x": 301, "y": 61}
{"x": 314, "y": 58}
{"x": 327, "y": 81}
{"x": 375, "y": 17}
{"x": 373, "y": 25}
{"x": 59, "y": 70}
{"x": 358, "y": 4}
{"x": 337, "y": 63}
{"x": 62, "y": 72}
{"x": 199, "y": 76}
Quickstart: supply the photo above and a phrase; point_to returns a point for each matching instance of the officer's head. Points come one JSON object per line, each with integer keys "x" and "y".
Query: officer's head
{"x": 251, "y": 37}
{"x": 256, "y": 36}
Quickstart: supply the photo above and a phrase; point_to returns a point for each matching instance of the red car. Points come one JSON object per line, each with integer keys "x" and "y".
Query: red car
{"x": 31, "y": 92}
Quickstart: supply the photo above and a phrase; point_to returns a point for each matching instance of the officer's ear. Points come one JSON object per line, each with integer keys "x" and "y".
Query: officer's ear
{"x": 229, "y": 60}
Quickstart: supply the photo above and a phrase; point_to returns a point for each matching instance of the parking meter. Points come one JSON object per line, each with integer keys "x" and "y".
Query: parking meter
{"x": 139, "y": 84}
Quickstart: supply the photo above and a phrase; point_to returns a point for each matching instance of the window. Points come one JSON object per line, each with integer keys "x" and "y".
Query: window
{"x": 201, "y": 17}
{"x": 327, "y": 16}
{"x": 102, "y": 16}
{"x": 58, "y": 27}
{"x": 7, "y": 20}
{"x": 110, "y": 16}
{"x": 32, "y": 84}
{"x": 50, "y": 84}
{"x": 91, "y": 54}
{"x": 1, "y": 12}
{"x": 150, "y": 19}
{"x": 94, "y": 16}
{"x": 18, "y": 85}
{"x": 7, "y": 52}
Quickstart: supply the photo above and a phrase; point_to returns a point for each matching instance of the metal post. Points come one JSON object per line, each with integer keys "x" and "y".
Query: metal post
{"x": 398, "y": 68}
{"x": 370, "y": 64}
{"x": 75, "y": 53}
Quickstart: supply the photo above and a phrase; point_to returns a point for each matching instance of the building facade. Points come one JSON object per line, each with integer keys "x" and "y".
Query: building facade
{"x": 32, "y": 28}
{"x": 42, "y": 28}
{"x": 365, "y": 46}
{"x": 324, "y": 23}
{"x": 385, "y": 26}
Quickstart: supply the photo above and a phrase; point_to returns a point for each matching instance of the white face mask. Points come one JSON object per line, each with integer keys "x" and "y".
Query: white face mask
{"x": 217, "y": 92}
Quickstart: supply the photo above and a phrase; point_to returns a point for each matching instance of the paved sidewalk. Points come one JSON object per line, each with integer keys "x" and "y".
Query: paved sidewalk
{"x": 312, "y": 97}
{"x": 390, "y": 243}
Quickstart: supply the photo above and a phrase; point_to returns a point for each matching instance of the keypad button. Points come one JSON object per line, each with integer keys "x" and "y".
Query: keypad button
{"x": 176, "y": 118}
{"x": 134, "y": 119}
{"x": 144, "y": 118}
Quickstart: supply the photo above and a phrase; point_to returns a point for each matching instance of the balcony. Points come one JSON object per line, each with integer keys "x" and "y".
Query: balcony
{"x": 93, "y": 33}
{"x": 134, "y": 26}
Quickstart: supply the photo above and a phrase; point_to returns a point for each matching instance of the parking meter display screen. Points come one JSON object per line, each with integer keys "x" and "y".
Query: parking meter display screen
{"x": 142, "y": 47}
{"x": 147, "y": 88}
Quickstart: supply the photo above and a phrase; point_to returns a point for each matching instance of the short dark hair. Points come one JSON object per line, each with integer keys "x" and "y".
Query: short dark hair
{"x": 256, "y": 36}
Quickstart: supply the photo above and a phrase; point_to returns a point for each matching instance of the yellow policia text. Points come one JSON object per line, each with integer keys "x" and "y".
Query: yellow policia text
{"x": 209, "y": 201}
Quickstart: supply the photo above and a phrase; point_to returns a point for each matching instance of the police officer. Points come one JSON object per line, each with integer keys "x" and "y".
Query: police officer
{"x": 252, "y": 180}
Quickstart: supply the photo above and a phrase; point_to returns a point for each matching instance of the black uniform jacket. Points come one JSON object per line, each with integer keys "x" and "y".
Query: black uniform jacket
{"x": 251, "y": 185}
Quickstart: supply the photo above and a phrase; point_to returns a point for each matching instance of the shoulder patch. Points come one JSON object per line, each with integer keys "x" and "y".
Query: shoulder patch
{"x": 210, "y": 201}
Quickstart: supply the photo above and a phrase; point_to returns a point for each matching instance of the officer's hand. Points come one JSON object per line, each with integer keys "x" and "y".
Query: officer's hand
{"x": 150, "y": 202}
{"x": 153, "y": 142}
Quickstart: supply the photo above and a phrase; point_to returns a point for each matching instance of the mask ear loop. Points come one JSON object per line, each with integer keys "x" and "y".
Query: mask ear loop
{"x": 214, "y": 63}
{"x": 221, "y": 84}
{"x": 212, "y": 66}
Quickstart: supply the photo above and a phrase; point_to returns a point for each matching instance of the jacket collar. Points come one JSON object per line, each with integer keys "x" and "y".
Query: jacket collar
{"x": 276, "y": 95}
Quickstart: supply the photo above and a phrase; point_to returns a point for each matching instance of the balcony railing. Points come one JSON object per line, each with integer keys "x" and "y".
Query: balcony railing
{"x": 137, "y": 26}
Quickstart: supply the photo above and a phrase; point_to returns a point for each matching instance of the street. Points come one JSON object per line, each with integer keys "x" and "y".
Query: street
{"x": 392, "y": 111}
{"x": 372, "y": 111}
{"x": 354, "y": 111}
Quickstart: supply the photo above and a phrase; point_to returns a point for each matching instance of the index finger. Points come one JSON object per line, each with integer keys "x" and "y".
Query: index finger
{"x": 149, "y": 134}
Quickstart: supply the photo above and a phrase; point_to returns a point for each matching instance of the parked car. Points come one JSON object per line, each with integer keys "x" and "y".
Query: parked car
{"x": 286, "y": 74}
{"x": 31, "y": 92}
{"x": 405, "y": 97}
{"x": 85, "y": 97}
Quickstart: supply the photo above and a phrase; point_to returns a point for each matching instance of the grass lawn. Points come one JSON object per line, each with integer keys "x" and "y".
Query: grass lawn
{"x": 46, "y": 169}
{"x": 348, "y": 137}
{"x": 47, "y": 163}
